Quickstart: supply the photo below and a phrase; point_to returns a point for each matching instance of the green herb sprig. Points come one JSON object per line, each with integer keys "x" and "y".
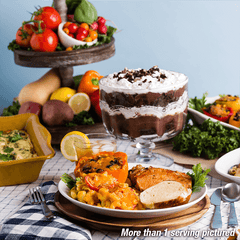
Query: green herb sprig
{"x": 6, "y": 157}
{"x": 15, "y": 138}
{"x": 199, "y": 176}
{"x": 198, "y": 103}
{"x": 70, "y": 182}
{"x": 12, "y": 110}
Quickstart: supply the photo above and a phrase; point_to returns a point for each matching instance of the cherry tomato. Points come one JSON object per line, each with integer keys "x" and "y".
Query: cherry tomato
{"x": 94, "y": 26}
{"x": 66, "y": 24}
{"x": 69, "y": 49}
{"x": 73, "y": 27}
{"x": 88, "y": 39}
{"x": 66, "y": 30}
{"x": 102, "y": 28}
{"x": 71, "y": 35}
{"x": 23, "y": 37}
{"x": 85, "y": 26}
{"x": 93, "y": 34}
{"x": 82, "y": 31}
{"x": 80, "y": 36}
{"x": 101, "y": 20}
{"x": 50, "y": 17}
{"x": 46, "y": 41}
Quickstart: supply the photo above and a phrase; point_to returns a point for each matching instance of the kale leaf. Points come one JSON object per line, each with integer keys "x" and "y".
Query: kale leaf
{"x": 208, "y": 140}
{"x": 83, "y": 118}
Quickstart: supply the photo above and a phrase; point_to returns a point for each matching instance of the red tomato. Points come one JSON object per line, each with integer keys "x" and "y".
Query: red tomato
{"x": 82, "y": 31}
{"x": 94, "y": 26}
{"x": 80, "y": 36}
{"x": 50, "y": 17}
{"x": 102, "y": 28}
{"x": 73, "y": 27}
{"x": 23, "y": 37}
{"x": 101, "y": 20}
{"x": 71, "y": 35}
{"x": 44, "y": 42}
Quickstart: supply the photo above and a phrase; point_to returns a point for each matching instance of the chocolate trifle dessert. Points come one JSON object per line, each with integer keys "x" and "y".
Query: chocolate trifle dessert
{"x": 139, "y": 102}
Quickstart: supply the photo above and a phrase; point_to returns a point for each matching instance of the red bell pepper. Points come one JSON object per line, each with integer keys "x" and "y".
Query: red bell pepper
{"x": 90, "y": 184}
{"x": 94, "y": 97}
{"x": 219, "y": 118}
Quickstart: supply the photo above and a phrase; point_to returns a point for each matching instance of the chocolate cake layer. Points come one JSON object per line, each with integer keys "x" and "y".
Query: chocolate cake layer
{"x": 144, "y": 125}
{"x": 116, "y": 99}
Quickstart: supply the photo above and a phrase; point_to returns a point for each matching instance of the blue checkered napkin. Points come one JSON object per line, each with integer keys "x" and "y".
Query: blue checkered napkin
{"x": 30, "y": 223}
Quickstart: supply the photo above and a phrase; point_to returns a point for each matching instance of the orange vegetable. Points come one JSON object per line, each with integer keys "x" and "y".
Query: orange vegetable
{"x": 230, "y": 101}
{"x": 89, "y": 82}
{"x": 115, "y": 163}
{"x": 66, "y": 24}
{"x": 66, "y": 30}
{"x": 93, "y": 34}
{"x": 88, "y": 39}
{"x": 235, "y": 119}
{"x": 219, "y": 112}
{"x": 85, "y": 26}
{"x": 69, "y": 49}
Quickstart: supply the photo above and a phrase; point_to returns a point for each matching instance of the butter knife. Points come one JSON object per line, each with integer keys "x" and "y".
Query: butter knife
{"x": 217, "y": 218}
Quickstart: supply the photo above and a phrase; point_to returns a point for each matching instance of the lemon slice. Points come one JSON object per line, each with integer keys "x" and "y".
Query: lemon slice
{"x": 63, "y": 94}
{"x": 79, "y": 102}
{"x": 74, "y": 145}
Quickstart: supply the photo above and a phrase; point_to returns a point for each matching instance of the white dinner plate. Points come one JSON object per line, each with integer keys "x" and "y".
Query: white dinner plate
{"x": 200, "y": 117}
{"x": 195, "y": 198}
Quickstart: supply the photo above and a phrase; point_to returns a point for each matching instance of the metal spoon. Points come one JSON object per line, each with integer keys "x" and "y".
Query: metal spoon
{"x": 231, "y": 193}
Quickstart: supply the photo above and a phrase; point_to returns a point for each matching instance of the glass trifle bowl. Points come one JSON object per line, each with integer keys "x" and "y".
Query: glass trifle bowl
{"x": 144, "y": 106}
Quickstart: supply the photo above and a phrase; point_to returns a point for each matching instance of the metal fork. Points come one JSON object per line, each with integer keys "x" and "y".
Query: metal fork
{"x": 37, "y": 197}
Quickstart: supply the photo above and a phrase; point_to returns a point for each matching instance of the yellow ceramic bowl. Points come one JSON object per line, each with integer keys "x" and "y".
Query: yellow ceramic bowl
{"x": 26, "y": 170}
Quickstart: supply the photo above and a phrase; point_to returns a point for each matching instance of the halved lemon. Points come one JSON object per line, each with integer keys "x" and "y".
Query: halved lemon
{"x": 63, "y": 94}
{"x": 79, "y": 102}
{"x": 74, "y": 145}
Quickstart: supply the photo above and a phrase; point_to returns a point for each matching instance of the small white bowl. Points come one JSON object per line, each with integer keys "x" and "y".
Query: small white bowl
{"x": 68, "y": 41}
{"x": 227, "y": 161}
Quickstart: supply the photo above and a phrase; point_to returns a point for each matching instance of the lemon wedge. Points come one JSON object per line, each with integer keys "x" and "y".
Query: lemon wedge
{"x": 79, "y": 102}
{"x": 74, "y": 145}
{"x": 63, "y": 94}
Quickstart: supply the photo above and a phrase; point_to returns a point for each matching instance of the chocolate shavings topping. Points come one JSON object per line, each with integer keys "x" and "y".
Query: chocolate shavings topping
{"x": 136, "y": 75}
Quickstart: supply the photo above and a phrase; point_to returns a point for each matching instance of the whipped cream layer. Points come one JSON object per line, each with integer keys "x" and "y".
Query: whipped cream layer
{"x": 160, "y": 112}
{"x": 142, "y": 81}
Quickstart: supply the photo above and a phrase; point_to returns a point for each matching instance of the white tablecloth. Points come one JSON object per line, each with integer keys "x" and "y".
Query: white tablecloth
{"x": 13, "y": 197}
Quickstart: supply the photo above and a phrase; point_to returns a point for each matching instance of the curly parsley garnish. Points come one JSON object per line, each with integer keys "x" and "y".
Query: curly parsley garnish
{"x": 208, "y": 140}
{"x": 83, "y": 118}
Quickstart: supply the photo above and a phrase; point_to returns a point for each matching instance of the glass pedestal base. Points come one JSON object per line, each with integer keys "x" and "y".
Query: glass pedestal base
{"x": 145, "y": 154}
{"x": 155, "y": 159}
